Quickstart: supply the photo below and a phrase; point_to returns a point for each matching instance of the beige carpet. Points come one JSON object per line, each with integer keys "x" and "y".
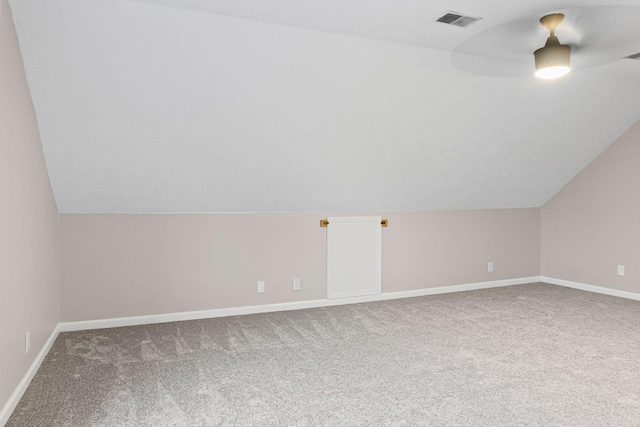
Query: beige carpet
{"x": 522, "y": 355}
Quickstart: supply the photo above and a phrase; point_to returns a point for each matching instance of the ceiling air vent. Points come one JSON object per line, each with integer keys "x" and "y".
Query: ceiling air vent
{"x": 457, "y": 19}
{"x": 634, "y": 56}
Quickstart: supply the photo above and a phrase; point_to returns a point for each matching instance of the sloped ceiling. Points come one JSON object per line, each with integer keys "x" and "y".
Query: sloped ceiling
{"x": 290, "y": 105}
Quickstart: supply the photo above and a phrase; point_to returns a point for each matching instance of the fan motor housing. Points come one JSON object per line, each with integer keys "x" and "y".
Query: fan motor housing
{"x": 552, "y": 55}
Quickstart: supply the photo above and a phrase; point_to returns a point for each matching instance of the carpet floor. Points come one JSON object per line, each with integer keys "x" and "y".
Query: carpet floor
{"x": 533, "y": 354}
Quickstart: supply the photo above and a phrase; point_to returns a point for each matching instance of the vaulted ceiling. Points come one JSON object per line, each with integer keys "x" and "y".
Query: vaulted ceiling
{"x": 303, "y": 105}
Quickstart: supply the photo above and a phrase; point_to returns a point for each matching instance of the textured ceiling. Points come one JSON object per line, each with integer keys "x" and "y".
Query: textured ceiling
{"x": 290, "y": 105}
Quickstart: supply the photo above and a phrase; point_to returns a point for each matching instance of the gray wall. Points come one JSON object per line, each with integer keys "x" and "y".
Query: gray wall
{"x": 131, "y": 265}
{"x": 593, "y": 224}
{"x": 29, "y": 286}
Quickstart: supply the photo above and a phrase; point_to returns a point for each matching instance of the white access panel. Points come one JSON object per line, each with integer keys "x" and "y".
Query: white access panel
{"x": 354, "y": 256}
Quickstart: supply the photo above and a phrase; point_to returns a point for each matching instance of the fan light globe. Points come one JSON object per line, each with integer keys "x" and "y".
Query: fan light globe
{"x": 552, "y": 60}
{"x": 552, "y": 72}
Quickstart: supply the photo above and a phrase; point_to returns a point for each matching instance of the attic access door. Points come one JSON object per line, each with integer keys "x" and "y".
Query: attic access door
{"x": 354, "y": 256}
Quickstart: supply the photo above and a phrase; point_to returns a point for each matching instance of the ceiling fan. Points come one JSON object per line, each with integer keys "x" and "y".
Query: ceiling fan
{"x": 552, "y": 60}
{"x": 591, "y": 36}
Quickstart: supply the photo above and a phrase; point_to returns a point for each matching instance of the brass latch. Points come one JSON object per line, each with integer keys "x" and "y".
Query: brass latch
{"x": 383, "y": 223}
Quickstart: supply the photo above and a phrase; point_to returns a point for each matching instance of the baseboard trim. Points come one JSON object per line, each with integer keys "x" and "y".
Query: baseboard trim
{"x": 11, "y": 404}
{"x": 267, "y": 308}
{"x": 591, "y": 288}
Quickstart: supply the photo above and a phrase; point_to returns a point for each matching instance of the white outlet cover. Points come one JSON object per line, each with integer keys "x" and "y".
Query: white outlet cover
{"x": 621, "y": 270}
{"x": 490, "y": 267}
{"x": 261, "y": 287}
{"x": 296, "y": 284}
{"x": 27, "y": 342}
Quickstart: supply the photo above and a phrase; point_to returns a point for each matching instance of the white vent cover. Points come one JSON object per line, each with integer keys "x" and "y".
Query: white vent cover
{"x": 457, "y": 19}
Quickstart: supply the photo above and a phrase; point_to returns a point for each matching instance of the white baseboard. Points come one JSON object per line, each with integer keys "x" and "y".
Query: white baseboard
{"x": 11, "y": 404}
{"x": 590, "y": 288}
{"x": 267, "y": 308}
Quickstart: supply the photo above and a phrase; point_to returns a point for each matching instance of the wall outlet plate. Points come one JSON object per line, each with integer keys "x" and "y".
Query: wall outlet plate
{"x": 27, "y": 342}
{"x": 261, "y": 287}
{"x": 621, "y": 270}
{"x": 490, "y": 267}
{"x": 295, "y": 284}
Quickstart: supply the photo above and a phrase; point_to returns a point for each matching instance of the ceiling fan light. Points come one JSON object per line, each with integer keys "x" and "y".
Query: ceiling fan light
{"x": 552, "y": 60}
{"x": 552, "y": 72}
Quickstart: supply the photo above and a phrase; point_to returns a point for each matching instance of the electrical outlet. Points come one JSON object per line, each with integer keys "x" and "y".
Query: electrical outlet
{"x": 296, "y": 284}
{"x": 261, "y": 287}
{"x": 490, "y": 267}
{"x": 621, "y": 270}
{"x": 27, "y": 342}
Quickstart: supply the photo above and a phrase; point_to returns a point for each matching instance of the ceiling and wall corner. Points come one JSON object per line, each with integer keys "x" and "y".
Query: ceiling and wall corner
{"x": 218, "y": 106}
